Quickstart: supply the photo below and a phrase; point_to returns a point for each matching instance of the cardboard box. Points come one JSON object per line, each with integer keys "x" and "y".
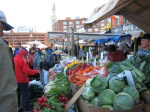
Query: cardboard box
{"x": 146, "y": 107}
{"x": 74, "y": 98}
{"x": 74, "y": 88}
{"x": 145, "y": 96}
{"x": 83, "y": 107}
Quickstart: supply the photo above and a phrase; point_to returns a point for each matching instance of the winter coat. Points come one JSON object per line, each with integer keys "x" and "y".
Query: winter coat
{"x": 37, "y": 59}
{"x": 22, "y": 68}
{"x": 48, "y": 62}
{"x": 8, "y": 84}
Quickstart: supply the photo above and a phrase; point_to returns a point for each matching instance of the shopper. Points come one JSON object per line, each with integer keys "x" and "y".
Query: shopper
{"x": 37, "y": 57}
{"x": 115, "y": 55}
{"x": 22, "y": 72}
{"x": 19, "y": 47}
{"x": 145, "y": 46}
{"x": 47, "y": 63}
{"x": 8, "y": 84}
{"x": 31, "y": 57}
{"x": 124, "y": 47}
{"x": 66, "y": 50}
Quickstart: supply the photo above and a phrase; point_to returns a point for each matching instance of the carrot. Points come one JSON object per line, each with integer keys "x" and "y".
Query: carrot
{"x": 82, "y": 78}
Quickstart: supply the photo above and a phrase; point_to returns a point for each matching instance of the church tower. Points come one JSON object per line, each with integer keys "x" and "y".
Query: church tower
{"x": 53, "y": 18}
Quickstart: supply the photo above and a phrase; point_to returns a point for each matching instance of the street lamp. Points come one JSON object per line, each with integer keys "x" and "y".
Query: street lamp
{"x": 72, "y": 40}
{"x": 31, "y": 36}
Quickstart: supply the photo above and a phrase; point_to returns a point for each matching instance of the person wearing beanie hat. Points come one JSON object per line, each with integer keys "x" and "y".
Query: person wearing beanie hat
{"x": 145, "y": 46}
{"x": 8, "y": 84}
{"x": 22, "y": 71}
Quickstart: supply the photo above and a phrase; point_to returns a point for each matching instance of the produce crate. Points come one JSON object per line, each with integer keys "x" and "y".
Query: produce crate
{"x": 74, "y": 88}
{"x": 146, "y": 107}
{"x": 83, "y": 107}
{"x": 145, "y": 96}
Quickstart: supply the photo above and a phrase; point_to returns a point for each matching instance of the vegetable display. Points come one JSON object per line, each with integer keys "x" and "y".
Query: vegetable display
{"x": 123, "y": 101}
{"x": 132, "y": 92}
{"x": 99, "y": 93}
{"x": 55, "y": 98}
{"x": 97, "y": 83}
{"x": 116, "y": 85}
{"x": 139, "y": 69}
{"x": 106, "y": 97}
{"x": 88, "y": 93}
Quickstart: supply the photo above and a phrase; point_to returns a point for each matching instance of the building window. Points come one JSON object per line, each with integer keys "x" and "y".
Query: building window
{"x": 108, "y": 20}
{"x": 89, "y": 30}
{"x": 64, "y": 23}
{"x": 64, "y": 27}
{"x": 126, "y": 21}
{"x": 83, "y": 21}
{"x": 70, "y": 22}
{"x": 77, "y": 22}
{"x": 64, "y": 30}
{"x": 102, "y": 24}
{"x": 102, "y": 21}
{"x": 117, "y": 20}
{"x": 96, "y": 29}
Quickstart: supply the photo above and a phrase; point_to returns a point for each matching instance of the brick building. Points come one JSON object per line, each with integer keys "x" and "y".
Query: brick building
{"x": 64, "y": 25}
{"x": 23, "y": 37}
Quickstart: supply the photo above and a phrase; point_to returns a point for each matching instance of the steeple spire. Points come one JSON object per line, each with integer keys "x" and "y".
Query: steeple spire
{"x": 53, "y": 18}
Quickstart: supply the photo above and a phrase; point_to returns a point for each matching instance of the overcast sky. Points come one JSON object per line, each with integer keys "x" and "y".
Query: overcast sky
{"x": 38, "y": 12}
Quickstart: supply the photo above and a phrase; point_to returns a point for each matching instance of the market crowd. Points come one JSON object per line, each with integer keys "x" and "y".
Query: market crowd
{"x": 20, "y": 66}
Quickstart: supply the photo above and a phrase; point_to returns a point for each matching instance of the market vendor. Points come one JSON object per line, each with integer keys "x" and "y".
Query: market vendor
{"x": 145, "y": 46}
{"x": 115, "y": 55}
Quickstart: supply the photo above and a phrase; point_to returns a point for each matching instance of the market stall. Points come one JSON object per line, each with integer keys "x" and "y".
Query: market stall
{"x": 94, "y": 86}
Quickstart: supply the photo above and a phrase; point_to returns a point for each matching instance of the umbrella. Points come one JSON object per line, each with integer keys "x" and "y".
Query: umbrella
{"x": 41, "y": 46}
{"x": 34, "y": 42}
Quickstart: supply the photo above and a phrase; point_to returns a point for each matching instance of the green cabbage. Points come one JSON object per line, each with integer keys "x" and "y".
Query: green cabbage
{"x": 108, "y": 106}
{"x": 106, "y": 97}
{"x": 88, "y": 93}
{"x": 123, "y": 101}
{"x": 94, "y": 101}
{"x": 133, "y": 92}
{"x": 88, "y": 82}
{"x": 97, "y": 83}
{"x": 116, "y": 85}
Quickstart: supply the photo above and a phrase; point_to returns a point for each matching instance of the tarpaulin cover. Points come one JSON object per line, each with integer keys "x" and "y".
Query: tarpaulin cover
{"x": 114, "y": 39}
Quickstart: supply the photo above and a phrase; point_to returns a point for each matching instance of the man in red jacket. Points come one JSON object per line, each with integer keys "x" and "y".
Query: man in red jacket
{"x": 22, "y": 71}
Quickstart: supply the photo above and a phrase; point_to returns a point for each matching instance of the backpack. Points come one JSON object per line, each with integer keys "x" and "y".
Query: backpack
{"x": 48, "y": 62}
